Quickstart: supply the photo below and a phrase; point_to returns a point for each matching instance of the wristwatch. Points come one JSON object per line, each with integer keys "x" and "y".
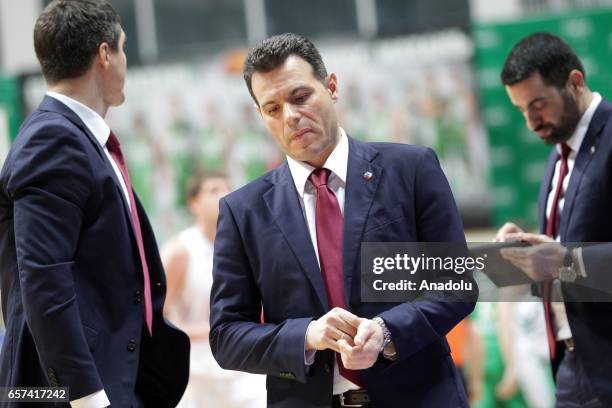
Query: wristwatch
{"x": 567, "y": 272}
{"x": 386, "y": 338}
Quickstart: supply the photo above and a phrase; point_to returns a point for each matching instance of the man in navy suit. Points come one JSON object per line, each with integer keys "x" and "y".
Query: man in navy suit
{"x": 290, "y": 242}
{"x": 545, "y": 80}
{"x": 82, "y": 282}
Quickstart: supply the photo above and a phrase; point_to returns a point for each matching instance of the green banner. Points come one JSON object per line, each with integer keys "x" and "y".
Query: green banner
{"x": 10, "y": 106}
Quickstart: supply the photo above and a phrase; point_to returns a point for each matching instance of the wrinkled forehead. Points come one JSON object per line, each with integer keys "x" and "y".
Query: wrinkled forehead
{"x": 293, "y": 74}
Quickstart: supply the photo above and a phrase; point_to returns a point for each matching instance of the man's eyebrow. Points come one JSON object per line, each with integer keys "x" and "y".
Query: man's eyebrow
{"x": 268, "y": 103}
{"x": 531, "y": 102}
{"x": 535, "y": 100}
{"x": 296, "y": 90}
{"x": 299, "y": 89}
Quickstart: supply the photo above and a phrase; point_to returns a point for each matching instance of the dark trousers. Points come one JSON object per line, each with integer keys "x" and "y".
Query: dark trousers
{"x": 573, "y": 386}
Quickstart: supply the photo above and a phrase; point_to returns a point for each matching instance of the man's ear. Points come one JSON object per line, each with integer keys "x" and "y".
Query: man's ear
{"x": 191, "y": 205}
{"x": 575, "y": 80}
{"x": 102, "y": 55}
{"x": 331, "y": 81}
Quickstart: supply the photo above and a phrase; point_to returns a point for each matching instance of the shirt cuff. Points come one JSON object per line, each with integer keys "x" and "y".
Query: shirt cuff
{"x": 95, "y": 400}
{"x": 579, "y": 262}
{"x": 309, "y": 355}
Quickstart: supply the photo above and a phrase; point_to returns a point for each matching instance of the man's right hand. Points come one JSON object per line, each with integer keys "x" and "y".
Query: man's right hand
{"x": 507, "y": 228}
{"x": 325, "y": 332}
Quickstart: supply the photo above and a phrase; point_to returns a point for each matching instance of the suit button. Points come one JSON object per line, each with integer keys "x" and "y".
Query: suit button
{"x": 131, "y": 346}
{"x": 137, "y": 296}
{"x": 326, "y": 368}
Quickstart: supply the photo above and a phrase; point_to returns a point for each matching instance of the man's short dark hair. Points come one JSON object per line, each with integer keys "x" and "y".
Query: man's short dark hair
{"x": 544, "y": 53}
{"x": 198, "y": 177}
{"x": 68, "y": 33}
{"x": 272, "y": 52}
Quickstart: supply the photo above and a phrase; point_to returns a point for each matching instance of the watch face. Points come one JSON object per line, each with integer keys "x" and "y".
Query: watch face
{"x": 567, "y": 274}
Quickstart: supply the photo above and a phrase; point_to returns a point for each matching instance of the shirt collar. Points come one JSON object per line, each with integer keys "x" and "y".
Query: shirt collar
{"x": 94, "y": 122}
{"x": 575, "y": 141}
{"x": 337, "y": 162}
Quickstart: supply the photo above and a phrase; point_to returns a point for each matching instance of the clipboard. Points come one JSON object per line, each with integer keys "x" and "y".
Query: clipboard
{"x": 501, "y": 271}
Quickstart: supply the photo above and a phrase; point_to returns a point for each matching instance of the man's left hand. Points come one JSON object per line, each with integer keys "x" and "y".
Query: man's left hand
{"x": 368, "y": 342}
{"x": 541, "y": 261}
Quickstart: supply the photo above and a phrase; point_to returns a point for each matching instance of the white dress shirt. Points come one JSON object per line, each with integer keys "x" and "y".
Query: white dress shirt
{"x": 95, "y": 123}
{"x": 337, "y": 162}
{"x": 561, "y": 326}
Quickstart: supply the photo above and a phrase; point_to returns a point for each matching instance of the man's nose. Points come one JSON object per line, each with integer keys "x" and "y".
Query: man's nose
{"x": 292, "y": 115}
{"x": 533, "y": 119}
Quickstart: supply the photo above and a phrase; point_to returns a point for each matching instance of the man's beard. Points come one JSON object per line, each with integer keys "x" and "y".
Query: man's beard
{"x": 568, "y": 122}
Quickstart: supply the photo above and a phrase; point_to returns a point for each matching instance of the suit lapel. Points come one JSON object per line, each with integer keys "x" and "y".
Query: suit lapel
{"x": 359, "y": 194}
{"x": 124, "y": 199}
{"x": 53, "y": 105}
{"x": 585, "y": 154}
{"x": 283, "y": 202}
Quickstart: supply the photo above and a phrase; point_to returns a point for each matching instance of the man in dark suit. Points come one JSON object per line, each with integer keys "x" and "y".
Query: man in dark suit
{"x": 82, "y": 284}
{"x": 546, "y": 81}
{"x": 290, "y": 242}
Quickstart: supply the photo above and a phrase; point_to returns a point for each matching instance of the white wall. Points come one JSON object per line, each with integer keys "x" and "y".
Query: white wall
{"x": 17, "y": 18}
{"x": 485, "y": 11}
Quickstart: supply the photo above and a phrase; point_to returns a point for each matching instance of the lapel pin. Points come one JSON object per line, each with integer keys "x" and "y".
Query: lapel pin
{"x": 367, "y": 176}
{"x": 593, "y": 149}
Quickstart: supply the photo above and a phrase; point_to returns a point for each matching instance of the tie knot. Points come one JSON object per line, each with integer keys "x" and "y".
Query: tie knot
{"x": 112, "y": 144}
{"x": 565, "y": 150}
{"x": 319, "y": 177}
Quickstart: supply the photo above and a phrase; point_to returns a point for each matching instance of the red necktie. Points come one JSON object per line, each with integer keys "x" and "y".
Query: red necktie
{"x": 329, "y": 243}
{"x": 114, "y": 148}
{"x": 552, "y": 230}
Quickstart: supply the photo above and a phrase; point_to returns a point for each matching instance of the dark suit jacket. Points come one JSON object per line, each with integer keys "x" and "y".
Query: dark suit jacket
{"x": 72, "y": 286}
{"x": 264, "y": 255}
{"x": 586, "y": 219}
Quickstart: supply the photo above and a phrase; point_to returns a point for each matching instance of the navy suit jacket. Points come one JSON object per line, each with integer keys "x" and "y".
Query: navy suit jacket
{"x": 72, "y": 283}
{"x": 586, "y": 219}
{"x": 264, "y": 256}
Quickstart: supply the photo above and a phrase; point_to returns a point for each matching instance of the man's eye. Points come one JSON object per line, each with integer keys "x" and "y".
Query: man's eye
{"x": 301, "y": 98}
{"x": 272, "y": 110}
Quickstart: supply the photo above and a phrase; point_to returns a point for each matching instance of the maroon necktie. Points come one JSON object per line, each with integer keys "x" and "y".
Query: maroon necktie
{"x": 329, "y": 243}
{"x": 114, "y": 148}
{"x": 552, "y": 230}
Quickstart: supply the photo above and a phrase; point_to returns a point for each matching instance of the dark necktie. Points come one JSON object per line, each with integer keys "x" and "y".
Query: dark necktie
{"x": 114, "y": 148}
{"x": 329, "y": 243}
{"x": 552, "y": 230}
